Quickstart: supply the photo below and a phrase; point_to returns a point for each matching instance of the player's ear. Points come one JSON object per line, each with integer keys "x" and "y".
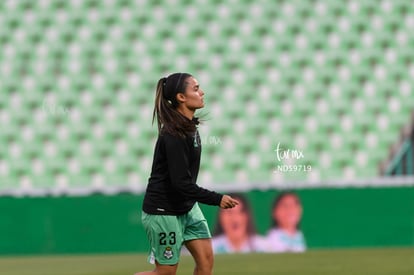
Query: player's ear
{"x": 181, "y": 97}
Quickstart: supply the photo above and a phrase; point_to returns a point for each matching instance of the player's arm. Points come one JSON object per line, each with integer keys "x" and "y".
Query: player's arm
{"x": 177, "y": 151}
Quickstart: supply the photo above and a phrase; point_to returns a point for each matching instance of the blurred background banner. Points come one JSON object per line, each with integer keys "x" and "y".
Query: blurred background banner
{"x": 332, "y": 218}
{"x": 311, "y": 96}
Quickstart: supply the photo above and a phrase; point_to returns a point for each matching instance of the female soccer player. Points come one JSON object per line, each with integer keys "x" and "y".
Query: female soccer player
{"x": 171, "y": 215}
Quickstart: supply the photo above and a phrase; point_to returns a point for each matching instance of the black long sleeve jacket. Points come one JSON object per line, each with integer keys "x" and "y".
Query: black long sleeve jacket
{"x": 172, "y": 188}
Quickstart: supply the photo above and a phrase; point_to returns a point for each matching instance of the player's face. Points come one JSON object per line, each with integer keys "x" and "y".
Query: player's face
{"x": 193, "y": 97}
{"x": 288, "y": 212}
{"x": 234, "y": 222}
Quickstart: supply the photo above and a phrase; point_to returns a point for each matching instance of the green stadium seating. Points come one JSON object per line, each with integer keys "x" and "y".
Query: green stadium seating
{"x": 331, "y": 78}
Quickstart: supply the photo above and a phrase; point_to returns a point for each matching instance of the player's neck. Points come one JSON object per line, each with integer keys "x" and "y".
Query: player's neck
{"x": 188, "y": 113}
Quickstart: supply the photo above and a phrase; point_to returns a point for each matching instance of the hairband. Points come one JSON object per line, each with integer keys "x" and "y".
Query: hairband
{"x": 164, "y": 87}
{"x": 178, "y": 83}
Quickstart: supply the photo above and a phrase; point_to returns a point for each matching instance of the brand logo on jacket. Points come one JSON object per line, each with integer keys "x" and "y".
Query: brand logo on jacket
{"x": 196, "y": 139}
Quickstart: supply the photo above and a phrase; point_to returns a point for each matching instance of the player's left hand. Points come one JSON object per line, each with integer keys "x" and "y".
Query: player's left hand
{"x": 228, "y": 202}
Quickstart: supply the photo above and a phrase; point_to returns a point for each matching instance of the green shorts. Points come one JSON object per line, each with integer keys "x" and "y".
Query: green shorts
{"x": 167, "y": 234}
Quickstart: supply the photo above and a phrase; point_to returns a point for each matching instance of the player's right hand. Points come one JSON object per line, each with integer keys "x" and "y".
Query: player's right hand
{"x": 228, "y": 202}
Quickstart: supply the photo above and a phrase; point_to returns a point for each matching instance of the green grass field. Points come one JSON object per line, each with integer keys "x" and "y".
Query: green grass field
{"x": 395, "y": 261}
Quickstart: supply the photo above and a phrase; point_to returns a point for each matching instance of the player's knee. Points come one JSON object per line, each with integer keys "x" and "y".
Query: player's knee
{"x": 210, "y": 260}
{"x": 166, "y": 270}
{"x": 206, "y": 264}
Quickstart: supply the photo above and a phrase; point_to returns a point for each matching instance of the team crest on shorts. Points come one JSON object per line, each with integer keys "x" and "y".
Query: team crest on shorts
{"x": 168, "y": 254}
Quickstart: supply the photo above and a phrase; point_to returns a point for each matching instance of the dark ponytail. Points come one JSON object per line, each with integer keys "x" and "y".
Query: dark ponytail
{"x": 169, "y": 120}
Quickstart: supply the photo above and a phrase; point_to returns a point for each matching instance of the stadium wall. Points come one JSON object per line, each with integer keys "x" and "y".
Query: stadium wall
{"x": 333, "y": 218}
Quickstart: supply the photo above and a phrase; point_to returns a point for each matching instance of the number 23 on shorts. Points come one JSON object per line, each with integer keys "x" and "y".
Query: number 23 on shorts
{"x": 167, "y": 238}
